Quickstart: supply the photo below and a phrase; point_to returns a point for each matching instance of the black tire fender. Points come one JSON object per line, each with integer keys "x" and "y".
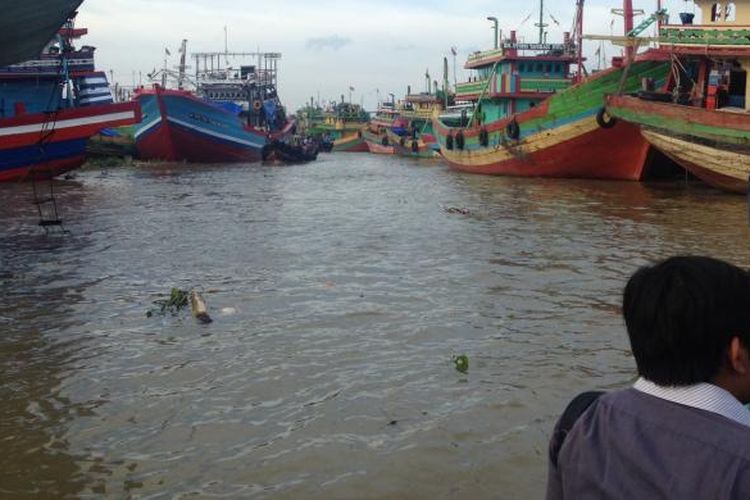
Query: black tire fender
{"x": 513, "y": 130}
{"x": 604, "y": 119}
{"x": 484, "y": 137}
{"x": 460, "y": 141}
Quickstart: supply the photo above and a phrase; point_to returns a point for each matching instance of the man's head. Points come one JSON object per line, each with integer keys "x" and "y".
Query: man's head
{"x": 683, "y": 316}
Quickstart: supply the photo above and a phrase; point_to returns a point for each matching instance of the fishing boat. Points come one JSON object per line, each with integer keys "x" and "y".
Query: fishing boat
{"x": 339, "y": 124}
{"x": 375, "y": 134}
{"x": 51, "y": 105}
{"x": 534, "y": 116}
{"x": 701, "y": 118}
{"x": 230, "y": 115}
{"x": 412, "y": 135}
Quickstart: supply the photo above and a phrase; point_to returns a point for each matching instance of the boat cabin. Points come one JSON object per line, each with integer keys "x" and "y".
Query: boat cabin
{"x": 517, "y": 76}
{"x": 714, "y": 55}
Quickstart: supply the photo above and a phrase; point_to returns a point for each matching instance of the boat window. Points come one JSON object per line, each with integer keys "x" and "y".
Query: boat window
{"x": 716, "y": 12}
{"x": 730, "y": 14}
{"x": 539, "y": 67}
{"x": 547, "y": 68}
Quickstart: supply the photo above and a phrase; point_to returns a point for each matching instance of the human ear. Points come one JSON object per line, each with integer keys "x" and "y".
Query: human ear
{"x": 739, "y": 358}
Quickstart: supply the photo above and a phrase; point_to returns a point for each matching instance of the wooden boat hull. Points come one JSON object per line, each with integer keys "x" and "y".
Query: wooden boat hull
{"x": 178, "y": 126}
{"x": 712, "y": 145}
{"x": 350, "y": 144}
{"x": 717, "y": 167}
{"x": 380, "y": 149}
{"x": 580, "y": 150}
{"x": 411, "y": 148}
{"x": 378, "y": 144}
{"x": 40, "y": 145}
{"x": 561, "y": 137}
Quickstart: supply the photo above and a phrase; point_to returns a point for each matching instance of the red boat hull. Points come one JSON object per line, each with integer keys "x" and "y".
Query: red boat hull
{"x": 616, "y": 153}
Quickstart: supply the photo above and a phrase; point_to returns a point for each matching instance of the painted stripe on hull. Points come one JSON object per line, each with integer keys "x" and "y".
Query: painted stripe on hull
{"x": 582, "y": 149}
{"x": 719, "y": 168}
{"x": 66, "y": 125}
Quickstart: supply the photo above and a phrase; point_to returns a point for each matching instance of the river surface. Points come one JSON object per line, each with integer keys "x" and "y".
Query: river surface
{"x": 340, "y": 291}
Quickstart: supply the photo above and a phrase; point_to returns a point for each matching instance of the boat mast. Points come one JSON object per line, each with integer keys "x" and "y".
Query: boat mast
{"x": 181, "y": 76}
{"x": 541, "y": 24}
{"x": 579, "y": 39}
{"x": 628, "y": 15}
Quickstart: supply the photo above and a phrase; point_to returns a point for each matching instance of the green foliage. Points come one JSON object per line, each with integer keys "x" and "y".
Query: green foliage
{"x": 177, "y": 301}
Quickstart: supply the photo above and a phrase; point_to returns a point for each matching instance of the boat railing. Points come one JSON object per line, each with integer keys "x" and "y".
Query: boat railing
{"x": 706, "y": 34}
{"x": 489, "y": 55}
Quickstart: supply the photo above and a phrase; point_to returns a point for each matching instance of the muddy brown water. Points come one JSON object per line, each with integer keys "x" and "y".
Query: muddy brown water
{"x": 339, "y": 292}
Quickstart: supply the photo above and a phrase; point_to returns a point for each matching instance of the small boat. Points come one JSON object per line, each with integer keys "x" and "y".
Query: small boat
{"x": 50, "y": 106}
{"x": 231, "y": 116}
{"x": 283, "y": 152}
{"x": 701, "y": 118}
{"x": 533, "y": 117}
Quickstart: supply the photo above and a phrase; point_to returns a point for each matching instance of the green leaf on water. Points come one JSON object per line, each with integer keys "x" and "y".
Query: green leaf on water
{"x": 462, "y": 363}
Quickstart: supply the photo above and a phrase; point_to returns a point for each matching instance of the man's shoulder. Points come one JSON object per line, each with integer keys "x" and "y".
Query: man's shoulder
{"x": 633, "y": 409}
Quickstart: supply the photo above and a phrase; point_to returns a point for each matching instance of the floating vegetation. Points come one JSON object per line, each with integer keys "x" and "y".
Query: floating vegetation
{"x": 177, "y": 301}
{"x": 461, "y": 362}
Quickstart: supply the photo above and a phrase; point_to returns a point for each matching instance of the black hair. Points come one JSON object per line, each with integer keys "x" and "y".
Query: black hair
{"x": 681, "y": 315}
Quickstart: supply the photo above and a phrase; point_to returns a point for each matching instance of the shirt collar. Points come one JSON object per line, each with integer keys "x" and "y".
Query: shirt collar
{"x": 703, "y": 396}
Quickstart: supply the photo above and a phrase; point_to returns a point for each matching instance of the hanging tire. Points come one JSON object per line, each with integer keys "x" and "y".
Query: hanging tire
{"x": 402, "y": 142}
{"x": 414, "y": 147}
{"x": 257, "y": 105}
{"x": 449, "y": 142}
{"x": 384, "y": 141}
{"x": 512, "y": 130}
{"x": 604, "y": 119}
{"x": 359, "y": 134}
{"x": 460, "y": 141}
{"x": 484, "y": 137}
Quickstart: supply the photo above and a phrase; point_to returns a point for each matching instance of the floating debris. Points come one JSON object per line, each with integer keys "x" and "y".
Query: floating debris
{"x": 457, "y": 210}
{"x": 198, "y": 306}
{"x": 178, "y": 300}
{"x": 462, "y": 363}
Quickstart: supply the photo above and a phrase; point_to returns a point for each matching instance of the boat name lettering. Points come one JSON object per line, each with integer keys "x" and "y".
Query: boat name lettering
{"x": 205, "y": 119}
{"x": 535, "y": 46}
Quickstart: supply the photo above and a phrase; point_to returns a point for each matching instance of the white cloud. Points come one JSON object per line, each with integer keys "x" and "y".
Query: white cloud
{"x": 383, "y": 44}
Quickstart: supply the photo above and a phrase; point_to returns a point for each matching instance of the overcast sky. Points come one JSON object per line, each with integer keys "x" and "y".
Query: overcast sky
{"x": 330, "y": 45}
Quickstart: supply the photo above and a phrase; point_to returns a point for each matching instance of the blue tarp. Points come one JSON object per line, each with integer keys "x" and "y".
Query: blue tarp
{"x": 270, "y": 109}
{"x": 228, "y": 106}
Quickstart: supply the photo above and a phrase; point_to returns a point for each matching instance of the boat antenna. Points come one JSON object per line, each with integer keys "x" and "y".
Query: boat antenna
{"x": 226, "y": 46}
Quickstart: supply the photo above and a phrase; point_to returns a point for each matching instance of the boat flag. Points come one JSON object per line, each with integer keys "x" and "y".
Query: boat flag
{"x": 454, "y": 51}
{"x": 167, "y": 52}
